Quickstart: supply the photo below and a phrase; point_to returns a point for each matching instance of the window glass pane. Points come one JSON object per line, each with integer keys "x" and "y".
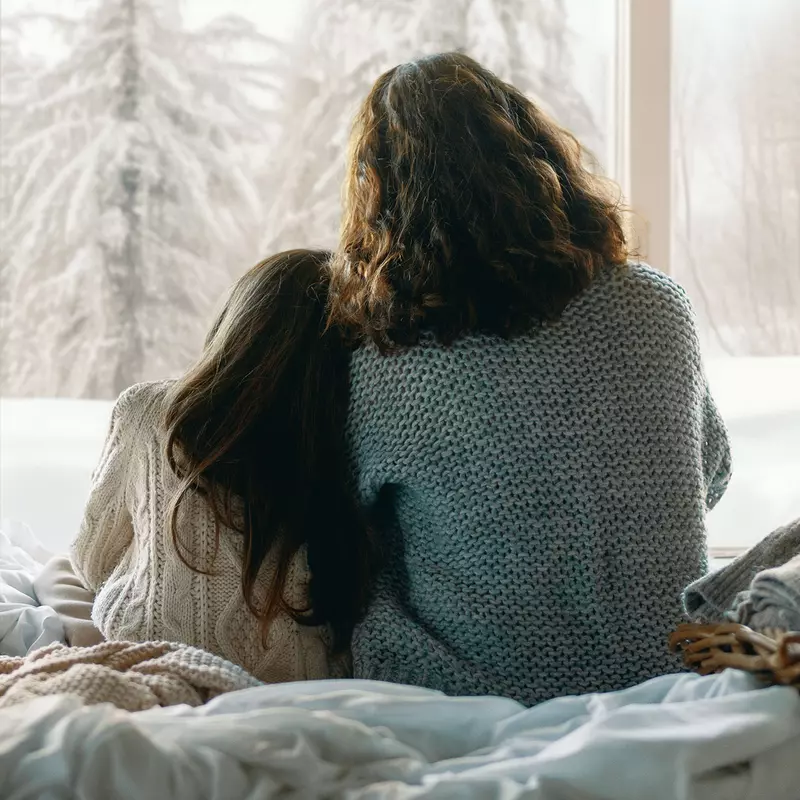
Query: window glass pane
{"x": 137, "y": 187}
{"x": 736, "y": 238}
{"x": 143, "y": 174}
{"x": 736, "y": 129}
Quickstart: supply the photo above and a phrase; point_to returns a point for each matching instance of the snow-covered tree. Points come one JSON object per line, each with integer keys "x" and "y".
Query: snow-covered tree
{"x": 130, "y": 197}
{"x": 15, "y": 65}
{"x": 342, "y": 46}
{"x": 530, "y": 44}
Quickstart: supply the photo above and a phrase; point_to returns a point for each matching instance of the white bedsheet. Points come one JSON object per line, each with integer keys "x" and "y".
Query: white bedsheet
{"x": 675, "y": 738}
{"x": 24, "y": 624}
{"x": 680, "y": 737}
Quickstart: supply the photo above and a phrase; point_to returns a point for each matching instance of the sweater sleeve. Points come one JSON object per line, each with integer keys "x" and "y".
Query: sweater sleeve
{"x": 58, "y": 587}
{"x": 106, "y": 530}
{"x": 716, "y": 452}
{"x": 677, "y": 327}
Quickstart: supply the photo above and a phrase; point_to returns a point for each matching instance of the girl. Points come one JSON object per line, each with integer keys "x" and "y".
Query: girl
{"x": 217, "y": 515}
{"x": 530, "y": 426}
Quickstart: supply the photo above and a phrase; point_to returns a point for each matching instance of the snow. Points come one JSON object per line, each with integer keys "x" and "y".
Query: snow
{"x": 755, "y": 387}
{"x": 49, "y": 447}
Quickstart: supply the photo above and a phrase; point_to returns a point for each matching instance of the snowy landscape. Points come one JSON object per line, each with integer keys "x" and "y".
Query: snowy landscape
{"x": 155, "y": 149}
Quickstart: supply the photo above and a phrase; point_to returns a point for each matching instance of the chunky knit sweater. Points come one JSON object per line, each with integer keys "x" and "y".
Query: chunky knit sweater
{"x": 145, "y": 592}
{"x": 540, "y": 501}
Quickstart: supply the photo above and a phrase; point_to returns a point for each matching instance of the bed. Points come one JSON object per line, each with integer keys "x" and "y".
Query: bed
{"x": 678, "y": 737}
{"x": 681, "y": 738}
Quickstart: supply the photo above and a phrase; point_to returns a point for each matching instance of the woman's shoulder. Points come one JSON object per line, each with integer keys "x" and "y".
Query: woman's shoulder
{"x": 140, "y": 408}
{"x": 142, "y": 397}
{"x": 640, "y": 284}
{"x": 626, "y": 299}
{"x": 636, "y": 305}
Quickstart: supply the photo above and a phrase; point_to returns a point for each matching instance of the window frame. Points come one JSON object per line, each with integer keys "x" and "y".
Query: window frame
{"x": 640, "y": 156}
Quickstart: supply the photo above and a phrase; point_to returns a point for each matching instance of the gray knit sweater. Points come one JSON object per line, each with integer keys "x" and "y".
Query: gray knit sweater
{"x": 541, "y": 501}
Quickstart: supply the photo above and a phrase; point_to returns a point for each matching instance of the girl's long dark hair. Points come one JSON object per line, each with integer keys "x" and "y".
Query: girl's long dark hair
{"x": 257, "y": 427}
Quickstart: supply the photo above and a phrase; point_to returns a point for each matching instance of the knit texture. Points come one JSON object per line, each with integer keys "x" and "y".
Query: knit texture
{"x": 144, "y": 592}
{"x": 771, "y": 566}
{"x": 540, "y": 501}
{"x": 131, "y": 676}
{"x": 773, "y": 599}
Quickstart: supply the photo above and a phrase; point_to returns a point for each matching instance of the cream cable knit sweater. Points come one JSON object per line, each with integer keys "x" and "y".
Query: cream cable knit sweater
{"x": 144, "y": 592}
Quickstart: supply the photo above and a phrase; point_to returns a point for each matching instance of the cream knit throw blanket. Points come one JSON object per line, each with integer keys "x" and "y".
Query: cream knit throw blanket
{"x": 132, "y": 676}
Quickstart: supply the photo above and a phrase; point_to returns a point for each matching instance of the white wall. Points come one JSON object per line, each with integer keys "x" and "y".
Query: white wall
{"x": 48, "y": 449}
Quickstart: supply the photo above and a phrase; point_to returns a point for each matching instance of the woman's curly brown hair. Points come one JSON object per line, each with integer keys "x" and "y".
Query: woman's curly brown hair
{"x": 467, "y": 209}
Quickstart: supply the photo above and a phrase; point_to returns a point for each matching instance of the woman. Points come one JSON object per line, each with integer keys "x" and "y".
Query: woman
{"x": 530, "y": 427}
{"x": 218, "y": 492}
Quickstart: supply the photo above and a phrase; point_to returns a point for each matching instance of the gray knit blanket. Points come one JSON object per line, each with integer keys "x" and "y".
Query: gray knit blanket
{"x": 760, "y": 588}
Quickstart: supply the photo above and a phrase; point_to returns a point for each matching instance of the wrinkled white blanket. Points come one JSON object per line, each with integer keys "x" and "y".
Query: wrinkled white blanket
{"x": 24, "y": 624}
{"x": 674, "y": 738}
{"x": 681, "y": 737}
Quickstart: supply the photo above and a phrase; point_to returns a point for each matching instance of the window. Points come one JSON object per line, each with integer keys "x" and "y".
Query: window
{"x": 736, "y": 172}
{"x": 709, "y": 144}
{"x": 143, "y": 174}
